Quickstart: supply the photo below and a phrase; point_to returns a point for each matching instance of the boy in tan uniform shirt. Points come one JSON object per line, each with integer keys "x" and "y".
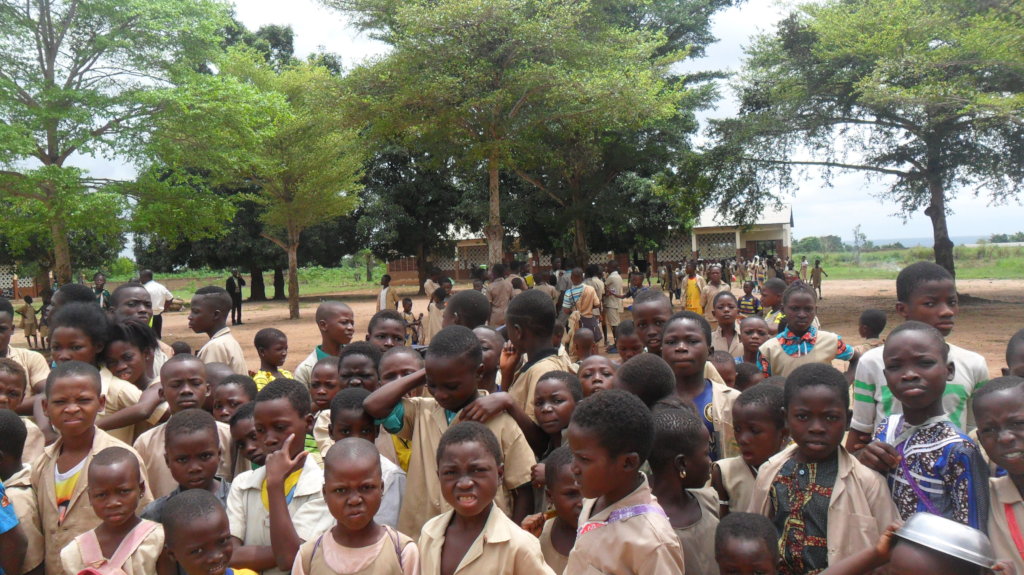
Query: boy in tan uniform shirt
{"x": 454, "y": 366}
{"x": 209, "y": 314}
{"x": 622, "y": 528}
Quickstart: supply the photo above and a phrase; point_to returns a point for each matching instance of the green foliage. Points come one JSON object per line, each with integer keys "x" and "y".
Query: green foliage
{"x": 1006, "y": 238}
{"x": 983, "y": 262}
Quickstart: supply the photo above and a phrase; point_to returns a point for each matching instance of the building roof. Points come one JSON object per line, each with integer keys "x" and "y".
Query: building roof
{"x": 772, "y": 215}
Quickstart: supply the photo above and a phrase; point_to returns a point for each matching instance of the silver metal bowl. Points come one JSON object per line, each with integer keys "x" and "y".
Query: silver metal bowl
{"x": 949, "y": 537}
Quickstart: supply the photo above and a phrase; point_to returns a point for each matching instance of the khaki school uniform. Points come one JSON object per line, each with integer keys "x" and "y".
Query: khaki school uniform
{"x": 23, "y": 497}
{"x": 393, "y": 554}
{"x": 738, "y": 480}
{"x": 707, "y": 298}
{"x": 34, "y": 441}
{"x": 151, "y": 447}
{"x": 722, "y": 399}
{"x": 718, "y": 341}
{"x": 224, "y": 348}
{"x": 781, "y": 363}
{"x": 120, "y": 395}
{"x": 613, "y": 305}
{"x": 423, "y": 423}
{"x": 502, "y": 548}
{"x": 499, "y": 294}
{"x": 387, "y": 298}
{"x": 1005, "y": 497}
{"x": 35, "y": 366}
{"x": 643, "y": 544}
{"x": 79, "y": 517}
{"x": 555, "y": 560}
{"x": 385, "y": 443}
{"x": 141, "y": 562}
{"x": 524, "y": 384}
{"x": 550, "y": 290}
{"x": 698, "y": 540}
{"x": 860, "y": 509}
{"x": 250, "y": 520}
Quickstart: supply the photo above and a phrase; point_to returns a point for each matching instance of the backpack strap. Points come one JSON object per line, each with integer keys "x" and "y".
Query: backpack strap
{"x": 92, "y": 555}
{"x": 130, "y": 543}
{"x": 307, "y": 557}
{"x": 396, "y": 540}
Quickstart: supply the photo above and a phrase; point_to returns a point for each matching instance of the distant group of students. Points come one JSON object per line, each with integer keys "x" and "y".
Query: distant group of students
{"x": 707, "y": 448}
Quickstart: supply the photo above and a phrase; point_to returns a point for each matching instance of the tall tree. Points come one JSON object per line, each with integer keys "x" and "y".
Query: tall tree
{"x": 86, "y": 77}
{"x": 928, "y": 95}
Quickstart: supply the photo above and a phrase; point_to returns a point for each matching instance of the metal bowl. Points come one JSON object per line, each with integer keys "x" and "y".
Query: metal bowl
{"x": 949, "y": 537}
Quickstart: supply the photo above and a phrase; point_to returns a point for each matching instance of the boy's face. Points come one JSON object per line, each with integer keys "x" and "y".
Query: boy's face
{"x": 725, "y": 311}
{"x": 135, "y": 304}
{"x": 324, "y": 384}
{"x": 353, "y": 492}
{"x": 358, "y": 371}
{"x": 470, "y": 477}
{"x": 6, "y": 330}
{"x": 817, "y": 419}
{"x": 353, "y": 423}
{"x": 243, "y": 433}
{"x": 226, "y": 401}
{"x": 745, "y": 557}
{"x": 491, "y": 343}
{"x": 407, "y": 306}
{"x": 114, "y": 491}
{"x": 800, "y": 310}
{"x": 727, "y": 369}
{"x": 203, "y": 315}
{"x": 387, "y": 334}
{"x": 183, "y": 385}
{"x": 596, "y": 373}
{"x": 553, "y": 405}
{"x": 73, "y": 403}
{"x": 1000, "y": 417}
{"x": 748, "y": 289}
{"x": 753, "y": 333}
{"x": 595, "y": 470}
{"x": 208, "y": 547}
{"x": 715, "y": 275}
{"x": 751, "y": 381}
{"x": 685, "y": 348}
{"x": 1015, "y": 361}
{"x": 757, "y": 434}
{"x": 769, "y": 298}
{"x": 276, "y": 420}
{"x": 71, "y": 343}
{"x": 126, "y": 361}
{"x": 400, "y": 365}
{"x": 453, "y": 380}
{"x": 338, "y": 328}
{"x": 650, "y": 318}
{"x": 565, "y": 496}
{"x": 934, "y": 303}
{"x": 275, "y": 354}
{"x": 12, "y": 391}
{"x": 193, "y": 458}
{"x": 629, "y": 346}
{"x": 915, "y": 369}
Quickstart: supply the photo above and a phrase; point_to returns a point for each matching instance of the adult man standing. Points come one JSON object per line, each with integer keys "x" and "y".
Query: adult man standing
{"x": 614, "y": 291}
{"x": 387, "y": 297}
{"x": 234, "y": 286}
{"x": 160, "y": 296}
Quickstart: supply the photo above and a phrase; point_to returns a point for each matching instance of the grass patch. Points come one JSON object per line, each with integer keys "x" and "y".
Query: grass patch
{"x": 990, "y": 261}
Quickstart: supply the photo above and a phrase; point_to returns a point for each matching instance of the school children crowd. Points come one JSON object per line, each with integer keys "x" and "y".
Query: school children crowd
{"x": 516, "y": 447}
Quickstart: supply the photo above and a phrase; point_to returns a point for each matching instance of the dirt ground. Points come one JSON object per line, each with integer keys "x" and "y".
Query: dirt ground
{"x": 993, "y": 311}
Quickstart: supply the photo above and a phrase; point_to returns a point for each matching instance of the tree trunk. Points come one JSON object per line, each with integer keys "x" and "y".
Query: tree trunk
{"x": 494, "y": 231}
{"x": 293, "y": 274}
{"x": 257, "y": 289}
{"x": 369, "y": 267}
{"x": 61, "y": 251}
{"x": 937, "y": 212}
{"x": 421, "y": 267}
{"x": 580, "y": 250}
{"x": 279, "y": 284}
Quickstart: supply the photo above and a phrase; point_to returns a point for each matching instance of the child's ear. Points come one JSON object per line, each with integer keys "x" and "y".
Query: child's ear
{"x": 160, "y": 392}
{"x": 170, "y": 554}
{"x": 1006, "y": 371}
{"x": 952, "y": 371}
{"x": 330, "y": 431}
{"x": 479, "y": 372}
{"x": 679, "y": 462}
{"x": 103, "y": 402}
{"x": 309, "y": 424}
{"x": 901, "y": 308}
{"x": 631, "y": 461}
{"x": 501, "y": 472}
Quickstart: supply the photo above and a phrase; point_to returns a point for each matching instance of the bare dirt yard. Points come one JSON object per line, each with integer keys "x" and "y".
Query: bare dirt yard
{"x": 991, "y": 312}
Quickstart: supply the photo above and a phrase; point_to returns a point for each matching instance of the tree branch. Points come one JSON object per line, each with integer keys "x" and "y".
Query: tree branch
{"x": 839, "y": 165}
{"x": 276, "y": 241}
{"x": 540, "y": 187}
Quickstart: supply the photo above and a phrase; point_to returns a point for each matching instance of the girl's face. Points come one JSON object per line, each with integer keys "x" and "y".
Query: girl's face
{"x": 126, "y": 361}
{"x": 753, "y": 332}
{"x": 596, "y": 373}
{"x": 12, "y": 390}
{"x": 800, "y": 309}
{"x": 275, "y": 354}
{"x": 72, "y": 344}
{"x": 226, "y": 401}
{"x": 725, "y": 310}
{"x": 685, "y": 348}
{"x": 758, "y": 434}
{"x": 324, "y": 384}
{"x": 491, "y": 343}
{"x": 698, "y": 463}
{"x": 553, "y": 405}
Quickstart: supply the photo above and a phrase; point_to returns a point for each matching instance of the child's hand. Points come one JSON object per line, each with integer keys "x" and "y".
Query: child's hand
{"x": 486, "y": 408}
{"x": 537, "y": 475}
{"x": 880, "y": 456}
{"x": 279, "y": 464}
{"x": 509, "y": 358}
{"x": 534, "y": 524}
{"x": 1000, "y": 568}
{"x": 884, "y": 546}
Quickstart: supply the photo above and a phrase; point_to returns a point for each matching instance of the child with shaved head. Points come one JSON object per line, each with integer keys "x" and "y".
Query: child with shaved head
{"x": 353, "y": 489}
{"x": 337, "y": 324}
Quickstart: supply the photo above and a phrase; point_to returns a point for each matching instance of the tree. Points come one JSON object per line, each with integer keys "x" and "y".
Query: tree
{"x": 926, "y": 94}
{"x": 87, "y": 77}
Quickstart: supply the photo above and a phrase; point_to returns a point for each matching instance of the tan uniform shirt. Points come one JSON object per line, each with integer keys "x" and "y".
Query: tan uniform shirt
{"x": 860, "y": 510}
{"x": 644, "y": 544}
{"x": 224, "y": 348}
{"x": 738, "y": 481}
{"x": 23, "y": 497}
{"x": 1002, "y": 493}
{"x": 781, "y": 363}
{"x": 79, "y": 517}
{"x": 698, "y": 540}
{"x": 34, "y": 441}
{"x": 499, "y": 294}
{"x": 707, "y": 297}
{"x": 524, "y": 384}
{"x": 502, "y": 548}
{"x": 250, "y": 520}
{"x": 151, "y": 447}
{"x": 722, "y": 399}
{"x": 550, "y": 290}
{"x": 34, "y": 364}
{"x": 555, "y": 560}
{"x": 141, "y": 562}
{"x": 735, "y": 348}
{"x": 424, "y": 423}
{"x": 387, "y": 298}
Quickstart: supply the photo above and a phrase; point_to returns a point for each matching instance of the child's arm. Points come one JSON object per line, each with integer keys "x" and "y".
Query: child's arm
{"x": 131, "y": 415}
{"x": 254, "y": 557}
{"x": 880, "y": 456}
{"x": 285, "y": 542}
{"x": 723, "y": 496}
{"x": 522, "y": 502}
{"x": 865, "y": 561}
{"x": 507, "y": 364}
{"x": 484, "y": 409}
{"x": 12, "y": 541}
{"x": 381, "y": 402}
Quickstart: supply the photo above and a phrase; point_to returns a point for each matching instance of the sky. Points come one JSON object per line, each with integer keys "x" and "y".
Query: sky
{"x": 818, "y": 209}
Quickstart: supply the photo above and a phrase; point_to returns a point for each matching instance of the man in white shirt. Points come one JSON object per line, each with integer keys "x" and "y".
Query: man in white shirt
{"x": 160, "y": 296}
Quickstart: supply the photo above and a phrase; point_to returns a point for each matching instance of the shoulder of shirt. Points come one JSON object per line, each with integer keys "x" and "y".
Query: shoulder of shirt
{"x": 966, "y": 355}
{"x": 252, "y": 479}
